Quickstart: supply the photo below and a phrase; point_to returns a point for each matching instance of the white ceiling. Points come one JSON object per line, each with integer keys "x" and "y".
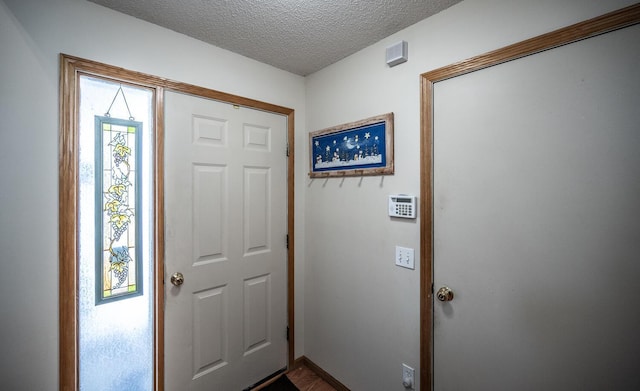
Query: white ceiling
{"x": 300, "y": 36}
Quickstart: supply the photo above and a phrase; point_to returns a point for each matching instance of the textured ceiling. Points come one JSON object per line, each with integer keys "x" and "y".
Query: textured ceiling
{"x": 300, "y": 36}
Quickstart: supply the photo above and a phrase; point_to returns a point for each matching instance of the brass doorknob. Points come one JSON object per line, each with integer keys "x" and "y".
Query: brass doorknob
{"x": 444, "y": 294}
{"x": 177, "y": 279}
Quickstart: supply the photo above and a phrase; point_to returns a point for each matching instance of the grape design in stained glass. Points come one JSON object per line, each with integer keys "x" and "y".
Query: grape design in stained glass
{"x": 118, "y": 270}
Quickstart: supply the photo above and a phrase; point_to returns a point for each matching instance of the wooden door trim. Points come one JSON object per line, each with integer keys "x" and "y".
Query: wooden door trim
{"x": 159, "y": 242}
{"x": 70, "y": 69}
{"x": 615, "y": 20}
{"x": 68, "y": 233}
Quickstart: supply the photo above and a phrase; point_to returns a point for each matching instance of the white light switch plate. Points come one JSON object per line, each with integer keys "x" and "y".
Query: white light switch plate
{"x": 405, "y": 257}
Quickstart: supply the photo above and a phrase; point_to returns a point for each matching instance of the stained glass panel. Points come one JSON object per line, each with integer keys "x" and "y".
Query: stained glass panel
{"x": 118, "y": 235}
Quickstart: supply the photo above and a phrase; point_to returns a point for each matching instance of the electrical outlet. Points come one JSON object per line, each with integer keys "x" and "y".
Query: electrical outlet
{"x": 405, "y": 257}
{"x": 408, "y": 375}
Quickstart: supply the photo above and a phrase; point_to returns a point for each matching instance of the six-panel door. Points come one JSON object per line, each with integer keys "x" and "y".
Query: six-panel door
{"x": 225, "y": 227}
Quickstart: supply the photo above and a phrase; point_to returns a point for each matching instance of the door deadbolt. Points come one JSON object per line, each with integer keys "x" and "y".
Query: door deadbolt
{"x": 444, "y": 294}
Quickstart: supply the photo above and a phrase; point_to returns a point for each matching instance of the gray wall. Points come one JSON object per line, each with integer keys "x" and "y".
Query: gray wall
{"x": 356, "y": 313}
{"x": 362, "y": 311}
{"x": 32, "y": 34}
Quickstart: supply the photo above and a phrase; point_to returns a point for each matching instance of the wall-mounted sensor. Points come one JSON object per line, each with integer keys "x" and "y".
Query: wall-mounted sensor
{"x": 398, "y": 53}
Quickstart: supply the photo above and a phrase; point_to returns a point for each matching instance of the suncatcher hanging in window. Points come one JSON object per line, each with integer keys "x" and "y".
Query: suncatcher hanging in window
{"x": 118, "y": 255}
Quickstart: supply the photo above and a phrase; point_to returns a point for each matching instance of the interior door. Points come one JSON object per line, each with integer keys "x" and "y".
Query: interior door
{"x": 225, "y": 229}
{"x": 537, "y": 221}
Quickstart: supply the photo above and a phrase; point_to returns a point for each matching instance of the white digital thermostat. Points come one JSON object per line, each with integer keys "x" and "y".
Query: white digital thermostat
{"x": 402, "y": 205}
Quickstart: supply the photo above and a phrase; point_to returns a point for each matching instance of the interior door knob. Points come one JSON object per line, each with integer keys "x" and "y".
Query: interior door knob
{"x": 444, "y": 294}
{"x": 177, "y": 279}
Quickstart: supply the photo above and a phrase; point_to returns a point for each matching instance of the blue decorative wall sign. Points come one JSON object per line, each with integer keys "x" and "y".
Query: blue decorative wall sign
{"x": 358, "y": 148}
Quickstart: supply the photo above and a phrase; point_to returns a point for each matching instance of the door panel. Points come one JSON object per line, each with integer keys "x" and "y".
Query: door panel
{"x": 256, "y": 313}
{"x": 208, "y": 196}
{"x": 256, "y": 203}
{"x": 225, "y": 194}
{"x": 537, "y": 221}
{"x": 209, "y": 331}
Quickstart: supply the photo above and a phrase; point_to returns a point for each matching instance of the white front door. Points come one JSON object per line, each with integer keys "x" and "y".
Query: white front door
{"x": 537, "y": 221}
{"x": 225, "y": 230}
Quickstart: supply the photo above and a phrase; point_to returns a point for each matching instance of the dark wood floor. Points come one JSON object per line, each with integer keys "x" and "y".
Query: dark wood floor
{"x": 306, "y": 380}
